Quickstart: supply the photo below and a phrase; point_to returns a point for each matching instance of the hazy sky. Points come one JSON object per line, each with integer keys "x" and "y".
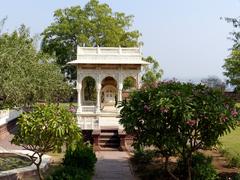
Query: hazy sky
{"x": 187, "y": 37}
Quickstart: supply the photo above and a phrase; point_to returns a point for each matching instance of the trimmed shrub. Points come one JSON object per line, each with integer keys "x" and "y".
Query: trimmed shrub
{"x": 81, "y": 156}
{"x": 78, "y": 163}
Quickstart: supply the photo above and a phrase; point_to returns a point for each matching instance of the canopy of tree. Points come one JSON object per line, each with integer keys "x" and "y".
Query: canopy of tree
{"x": 26, "y": 75}
{"x": 93, "y": 25}
{"x": 232, "y": 63}
{"x": 47, "y": 128}
{"x": 178, "y": 119}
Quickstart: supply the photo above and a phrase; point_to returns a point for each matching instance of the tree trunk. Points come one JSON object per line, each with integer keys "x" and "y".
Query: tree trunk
{"x": 39, "y": 172}
{"x": 189, "y": 166}
{"x": 166, "y": 163}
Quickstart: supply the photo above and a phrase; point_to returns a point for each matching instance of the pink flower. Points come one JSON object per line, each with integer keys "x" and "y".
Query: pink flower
{"x": 191, "y": 122}
{"x": 146, "y": 108}
{"x": 72, "y": 109}
{"x": 234, "y": 113}
{"x": 224, "y": 118}
{"x": 164, "y": 110}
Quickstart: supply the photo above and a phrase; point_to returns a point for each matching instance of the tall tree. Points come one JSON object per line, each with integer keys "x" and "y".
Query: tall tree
{"x": 93, "y": 25}
{"x": 232, "y": 63}
{"x": 152, "y": 73}
{"x": 26, "y": 74}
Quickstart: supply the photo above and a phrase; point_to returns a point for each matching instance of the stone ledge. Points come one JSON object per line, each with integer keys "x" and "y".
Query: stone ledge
{"x": 29, "y": 170}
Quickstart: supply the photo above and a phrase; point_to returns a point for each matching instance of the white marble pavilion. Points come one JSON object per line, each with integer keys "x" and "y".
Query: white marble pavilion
{"x": 108, "y": 67}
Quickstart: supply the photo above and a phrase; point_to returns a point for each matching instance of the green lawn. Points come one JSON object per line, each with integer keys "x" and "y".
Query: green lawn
{"x": 231, "y": 142}
{"x": 66, "y": 105}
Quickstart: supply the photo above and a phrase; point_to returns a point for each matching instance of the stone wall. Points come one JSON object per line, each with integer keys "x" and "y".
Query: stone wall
{"x": 8, "y": 119}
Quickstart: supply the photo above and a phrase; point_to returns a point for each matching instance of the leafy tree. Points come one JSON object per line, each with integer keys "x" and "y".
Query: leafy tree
{"x": 45, "y": 129}
{"x": 94, "y": 25}
{"x": 178, "y": 118}
{"x": 2, "y": 22}
{"x": 26, "y": 74}
{"x": 129, "y": 83}
{"x": 90, "y": 93}
{"x": 152, "y": 73}
{"x": 232, "y": 67}
{"x": 232, "y": 63}
{"x": 235, "y": 35}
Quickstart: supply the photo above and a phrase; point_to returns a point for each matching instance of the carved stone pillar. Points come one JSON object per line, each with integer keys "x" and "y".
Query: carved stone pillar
{"x": 98, "y": 97}
{"x": 79, "y": 89}
{"x": 120, "y": 87}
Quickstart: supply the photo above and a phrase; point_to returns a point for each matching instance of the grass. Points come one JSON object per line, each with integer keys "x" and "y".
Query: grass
{"x": 231, "y": 147}
{"x": 67, "y": 105}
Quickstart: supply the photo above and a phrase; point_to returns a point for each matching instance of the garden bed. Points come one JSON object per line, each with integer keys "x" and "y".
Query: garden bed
{"x": 9, "y": 161}
{"x": 145, "y": 168}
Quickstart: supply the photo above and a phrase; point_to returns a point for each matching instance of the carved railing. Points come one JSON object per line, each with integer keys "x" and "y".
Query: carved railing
{"x": 89, "y": 109}
{"x": 88, "y": 122}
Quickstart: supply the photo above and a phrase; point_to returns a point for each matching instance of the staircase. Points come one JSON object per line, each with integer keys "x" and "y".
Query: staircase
{"x": 109, "y": 140}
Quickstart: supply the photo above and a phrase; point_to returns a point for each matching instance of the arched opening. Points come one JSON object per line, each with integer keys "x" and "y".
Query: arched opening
{"x": 129, "y": 83}
{"x": 109, "y": 93}
{"x": 89, "y": 93}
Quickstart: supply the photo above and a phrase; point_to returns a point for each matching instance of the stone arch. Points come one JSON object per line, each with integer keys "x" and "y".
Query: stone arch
{"x": 84, "y": 75}
{"x": 109, "y": 91}
{"x": 89, "y": 93}
{"x": 108, "y": 75}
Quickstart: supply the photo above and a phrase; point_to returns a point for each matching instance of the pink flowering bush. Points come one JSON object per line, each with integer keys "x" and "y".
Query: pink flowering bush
{"x": 178, "y": 118}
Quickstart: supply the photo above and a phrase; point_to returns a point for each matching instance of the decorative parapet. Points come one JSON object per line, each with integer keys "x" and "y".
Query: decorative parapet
{"x": 108, "y": 51}
{"x": 109, "y": 55}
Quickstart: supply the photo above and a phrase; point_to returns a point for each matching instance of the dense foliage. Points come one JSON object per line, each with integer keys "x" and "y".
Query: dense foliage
{"x": 93, "y": 25}
{"x": 178, "y": 118}
{"x": 47, "y": 128}
{"x": 27, "y": 75}
{"x": 78, "y": 163}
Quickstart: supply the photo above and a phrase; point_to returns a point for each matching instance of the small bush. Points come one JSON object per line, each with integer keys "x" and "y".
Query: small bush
{"x": 236, "y": 177}
{"x": 81, "y": 156}
{"x": 234, "y": 161}
{"x": 69, "y": 173}
{"x": 202, "y": 168}
{"x": 78, "y": 163}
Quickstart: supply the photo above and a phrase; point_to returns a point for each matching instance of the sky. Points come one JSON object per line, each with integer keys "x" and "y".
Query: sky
{"x": 187, "y": 37}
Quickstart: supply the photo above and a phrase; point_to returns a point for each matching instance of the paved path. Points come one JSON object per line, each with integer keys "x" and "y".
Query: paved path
{"x": 5, "y": 143}
{"x": 112, "y": 165}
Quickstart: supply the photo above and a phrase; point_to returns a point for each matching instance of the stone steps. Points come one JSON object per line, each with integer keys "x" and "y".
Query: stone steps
{"x": 109, "y": 139}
